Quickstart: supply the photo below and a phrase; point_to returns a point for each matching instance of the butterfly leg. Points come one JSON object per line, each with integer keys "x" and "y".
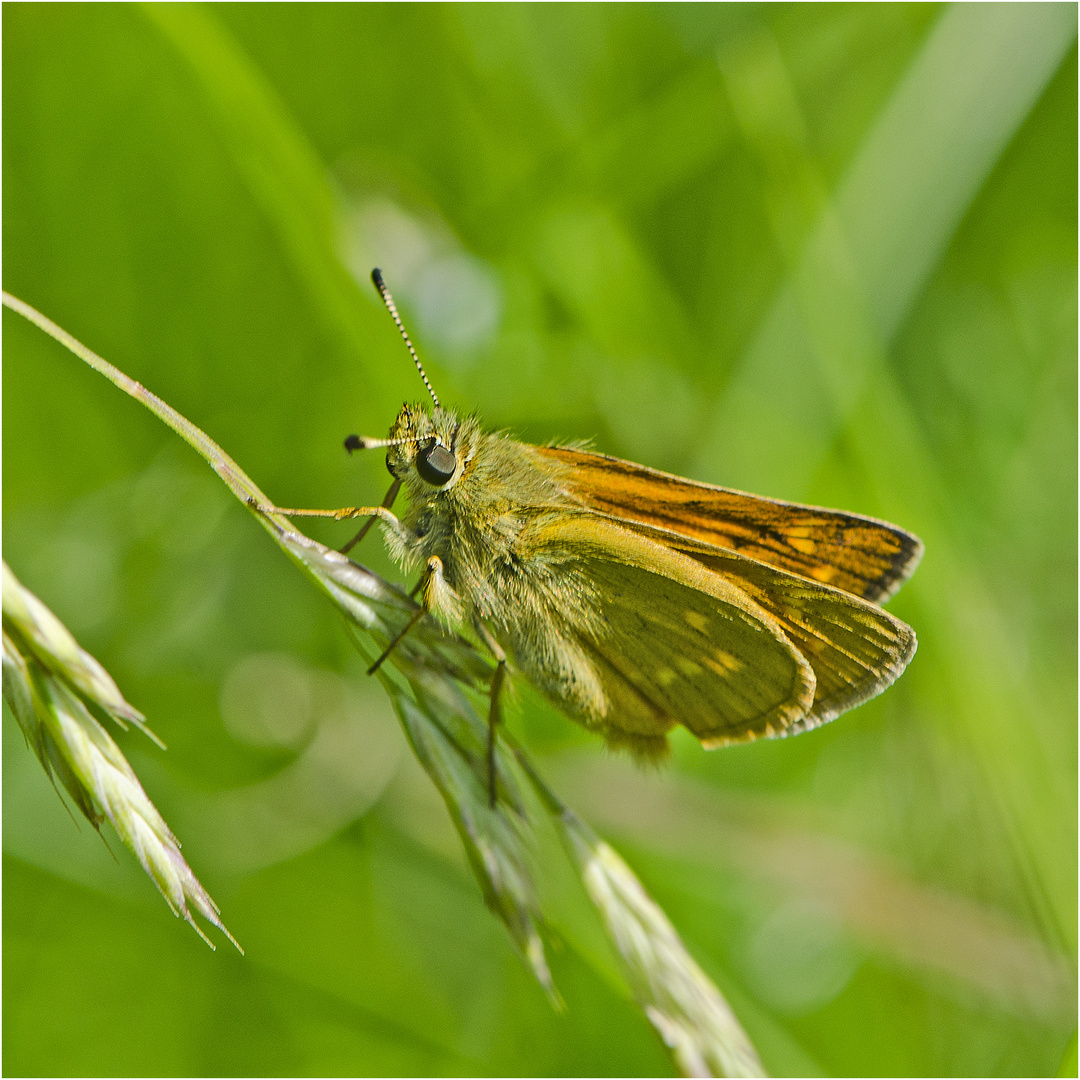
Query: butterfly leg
{"x": 346, "y": 512}
{"x": 396, "y": 641}
{"x": 435, "y": 597}
{"x": 387, "y": 502}
{"x": 494, "y": 712}
{"x": 343, "y": 514}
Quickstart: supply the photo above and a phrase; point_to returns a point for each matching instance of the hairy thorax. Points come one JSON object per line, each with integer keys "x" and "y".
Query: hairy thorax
{"x": 534, "y": 598}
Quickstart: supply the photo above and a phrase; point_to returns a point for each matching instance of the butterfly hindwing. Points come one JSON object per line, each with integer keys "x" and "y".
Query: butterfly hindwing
{"x": 676, "y": 642}
{"x": 856, "y": 648}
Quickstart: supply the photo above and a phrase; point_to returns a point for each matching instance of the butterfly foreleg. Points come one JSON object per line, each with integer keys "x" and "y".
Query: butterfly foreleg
{"x": 494, "y": 712}
{"x": 387, "y": 502}
{"x": 346, "y": 512}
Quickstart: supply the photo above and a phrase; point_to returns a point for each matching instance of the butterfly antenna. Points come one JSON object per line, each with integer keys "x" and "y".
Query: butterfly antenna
{"x": 363, "y": 442}
{"x": 388, "y": 300}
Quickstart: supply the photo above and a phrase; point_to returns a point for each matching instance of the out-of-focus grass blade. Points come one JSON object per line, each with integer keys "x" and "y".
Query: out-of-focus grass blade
{"x": 983, "y": 683}
{"x": 978, "y": 76}
{"x": 980, "y": 949}
{"x": 279, "y": 167}
{"x": 819, "y": 360}
{"x": 1068, "y": 1065}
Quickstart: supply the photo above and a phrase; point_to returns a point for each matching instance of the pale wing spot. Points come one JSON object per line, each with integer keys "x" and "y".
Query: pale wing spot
{"x": 723, "y": 663}
{"x": 803, "y": 544}
{"x": 696, "y": 620}
{"x": 823, "y": 573}
{"x": 688, "y": 667}
{"x": 665, "y": 676}
{"x": 797, "y": 530}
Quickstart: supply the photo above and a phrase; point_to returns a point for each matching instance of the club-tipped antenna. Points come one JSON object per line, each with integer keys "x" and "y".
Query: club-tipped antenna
{"x": 388, "y": 300}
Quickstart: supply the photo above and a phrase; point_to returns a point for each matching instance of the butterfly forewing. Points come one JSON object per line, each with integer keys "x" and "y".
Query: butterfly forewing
{"x": 860, "y": 555}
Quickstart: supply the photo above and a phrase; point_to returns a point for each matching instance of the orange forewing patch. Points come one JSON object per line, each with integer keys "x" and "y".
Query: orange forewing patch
{"x": 860, "y": 555}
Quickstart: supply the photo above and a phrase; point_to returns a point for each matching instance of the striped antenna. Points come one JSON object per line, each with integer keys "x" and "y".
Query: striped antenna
{"x": 388, "y": 300}
{"x": 365, "y": 442}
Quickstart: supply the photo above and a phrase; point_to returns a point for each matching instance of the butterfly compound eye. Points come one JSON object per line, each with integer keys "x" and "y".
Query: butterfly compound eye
{"x": 435, "y": 464}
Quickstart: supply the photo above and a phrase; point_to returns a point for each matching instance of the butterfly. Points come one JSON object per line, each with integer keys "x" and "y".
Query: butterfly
{"x": 637, "y": 600}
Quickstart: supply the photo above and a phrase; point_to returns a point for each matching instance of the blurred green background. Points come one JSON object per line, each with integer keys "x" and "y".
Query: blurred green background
{"x": 827, "y": 253}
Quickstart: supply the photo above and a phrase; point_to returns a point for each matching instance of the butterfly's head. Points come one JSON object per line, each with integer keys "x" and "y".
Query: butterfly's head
{"x": 427, "y": 450}
{"x": 432, "y": 448}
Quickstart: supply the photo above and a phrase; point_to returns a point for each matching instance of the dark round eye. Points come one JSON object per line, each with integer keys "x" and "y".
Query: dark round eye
{"x": 435, "y": 464}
